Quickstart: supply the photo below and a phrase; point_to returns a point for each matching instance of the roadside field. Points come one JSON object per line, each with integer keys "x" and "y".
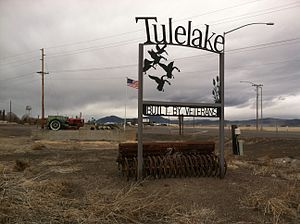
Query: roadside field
{"x": 72, "y": 177}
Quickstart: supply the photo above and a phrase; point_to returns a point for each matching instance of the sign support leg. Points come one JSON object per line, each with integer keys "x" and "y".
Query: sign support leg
{"x": 140, "y": 112}
{"x": 221, "y": 128}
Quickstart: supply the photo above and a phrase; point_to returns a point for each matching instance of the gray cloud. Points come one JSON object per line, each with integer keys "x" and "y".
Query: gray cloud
{"x": 82, "y": 35}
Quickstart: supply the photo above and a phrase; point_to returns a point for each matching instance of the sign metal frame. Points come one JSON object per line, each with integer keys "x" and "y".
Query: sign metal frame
{"x": 142, "y": 104}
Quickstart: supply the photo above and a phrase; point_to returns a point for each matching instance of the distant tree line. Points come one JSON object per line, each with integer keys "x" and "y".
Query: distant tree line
{"x": 12, "y": 117}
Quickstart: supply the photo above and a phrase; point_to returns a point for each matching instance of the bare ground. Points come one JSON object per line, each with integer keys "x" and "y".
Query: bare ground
{"x": 44, "y": 181}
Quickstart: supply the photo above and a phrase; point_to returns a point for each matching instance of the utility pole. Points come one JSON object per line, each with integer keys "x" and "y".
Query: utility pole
{"x": 9, "y": 110}
{"x": 43, "y": 87}
{"x": 261, "y": 109}
{"x": 257, "y": 86}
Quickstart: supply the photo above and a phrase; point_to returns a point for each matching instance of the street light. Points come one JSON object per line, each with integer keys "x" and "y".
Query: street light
{"x": 249, "y": 24}
{"x": 232, "y": 30}
{"x": 240, "y": 27}
{"x": 257, "y": 86}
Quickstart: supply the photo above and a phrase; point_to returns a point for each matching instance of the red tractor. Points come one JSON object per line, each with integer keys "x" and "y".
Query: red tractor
{"x": 56, "y": 123}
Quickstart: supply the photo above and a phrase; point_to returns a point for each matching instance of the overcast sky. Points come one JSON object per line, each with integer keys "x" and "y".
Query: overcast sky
{"x": 92, "y": 46}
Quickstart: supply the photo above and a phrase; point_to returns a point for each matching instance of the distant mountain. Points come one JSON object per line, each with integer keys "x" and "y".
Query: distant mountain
{"x": 158, "y": 119}
{"x": 269, "y": 121}
{"x": 110, "y": 119}
{"x": 118, "y": 120}
{"x": 162, "y": 120}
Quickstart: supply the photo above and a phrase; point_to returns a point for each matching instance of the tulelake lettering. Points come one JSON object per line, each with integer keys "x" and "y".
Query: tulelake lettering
{"x": 181, "y": 35}
{"x": 160, "y": 110}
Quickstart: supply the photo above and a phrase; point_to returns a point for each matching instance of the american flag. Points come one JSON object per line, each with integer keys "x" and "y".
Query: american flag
{"x": 132, "y": 83}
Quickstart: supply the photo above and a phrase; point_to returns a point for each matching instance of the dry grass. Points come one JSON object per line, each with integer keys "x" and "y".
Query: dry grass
{"x": 131, "y": 205}
{"x": 35, "y": 200}
{"x": 263, "y": 170}
{"x": 283, "y": 205}
{"x": 269, "y": 167}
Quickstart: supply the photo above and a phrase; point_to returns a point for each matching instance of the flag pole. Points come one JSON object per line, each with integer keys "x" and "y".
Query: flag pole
{"x": 125, "y": 104}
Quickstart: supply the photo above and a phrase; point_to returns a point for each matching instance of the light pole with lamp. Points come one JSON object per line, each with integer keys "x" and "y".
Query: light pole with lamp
{"x": 249, "y": 24}
{"x": 257, "y": 87}
{"x": 222, "y": 73}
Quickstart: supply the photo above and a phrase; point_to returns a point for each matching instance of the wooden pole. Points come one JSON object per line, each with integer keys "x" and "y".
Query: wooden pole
{"x": 43, "y": 87}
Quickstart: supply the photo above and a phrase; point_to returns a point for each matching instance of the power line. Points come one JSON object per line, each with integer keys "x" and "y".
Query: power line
{"x": 244, "y": 66}
{"x": 264, "y": 64}
{"x": 93, "y": 69}
{"x": 243, "y": 49}
{"x": 18, "y": 77}
{"x": 120, "y": 43}
{"x": 233, "y": 19}
{"x": 218, "y": 10}
{"x": 26, "y": 61}
{"x": 83, "y": 79}
{"x": 126, "y": 42}
{"x": 133, "y": 65}
{"x": 24, "y": 82}
{"x": 124, "y": 33}
{"x": 140, "y": 30}
{"x": 18, "y": 55}
{"x": 96, "y": 39}
{"x": 94, "y": 48}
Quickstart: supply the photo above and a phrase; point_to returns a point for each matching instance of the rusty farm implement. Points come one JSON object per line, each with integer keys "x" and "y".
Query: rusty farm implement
{"x": 170, "y": 159}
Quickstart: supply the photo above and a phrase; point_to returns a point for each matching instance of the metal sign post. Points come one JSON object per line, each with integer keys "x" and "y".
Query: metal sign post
{"x": 140, "y": 112}
{"x": 221, "y": 123}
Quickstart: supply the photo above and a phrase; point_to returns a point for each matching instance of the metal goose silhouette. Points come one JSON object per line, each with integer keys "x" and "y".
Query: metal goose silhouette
{"x": 147, "y": 65}
{"x": 169, "y": 69}
{"x": 160, "y": 81}
{"x": 156, "y": 57}
{"x": 161, "y": 50}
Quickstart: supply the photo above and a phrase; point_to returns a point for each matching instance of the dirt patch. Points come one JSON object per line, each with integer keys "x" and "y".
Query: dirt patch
{"x": 21, "y": 165}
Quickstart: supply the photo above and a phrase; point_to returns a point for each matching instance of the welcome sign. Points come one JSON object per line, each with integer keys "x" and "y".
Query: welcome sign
{"x": 162, "y": 35}
{"x": 181, "y": 35}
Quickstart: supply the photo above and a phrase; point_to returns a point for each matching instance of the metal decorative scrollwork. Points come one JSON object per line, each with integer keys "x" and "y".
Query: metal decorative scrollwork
{"x": 216, "y": 90}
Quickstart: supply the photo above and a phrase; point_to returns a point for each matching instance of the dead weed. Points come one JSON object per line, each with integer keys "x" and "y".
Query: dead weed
{"x": 281, "y": 205}
{"x": 25, "y": 200}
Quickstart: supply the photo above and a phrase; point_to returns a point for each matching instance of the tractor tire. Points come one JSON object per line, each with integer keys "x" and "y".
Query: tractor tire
{"x": 55, "y": 125}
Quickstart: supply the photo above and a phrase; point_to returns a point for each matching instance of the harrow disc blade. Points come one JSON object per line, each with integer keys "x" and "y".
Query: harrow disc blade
{"x": 171, "y": 159}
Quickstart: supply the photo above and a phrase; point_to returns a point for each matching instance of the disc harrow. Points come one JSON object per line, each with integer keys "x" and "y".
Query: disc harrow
{"x": 171, "y": 160}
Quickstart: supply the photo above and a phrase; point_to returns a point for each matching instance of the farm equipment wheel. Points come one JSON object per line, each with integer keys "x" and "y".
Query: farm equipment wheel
{"x": 55, "y": 125}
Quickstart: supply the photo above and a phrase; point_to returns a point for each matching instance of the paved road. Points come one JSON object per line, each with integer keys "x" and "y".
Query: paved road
{"x": 212, "y": 131}
{"x": 22, "y": 130}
